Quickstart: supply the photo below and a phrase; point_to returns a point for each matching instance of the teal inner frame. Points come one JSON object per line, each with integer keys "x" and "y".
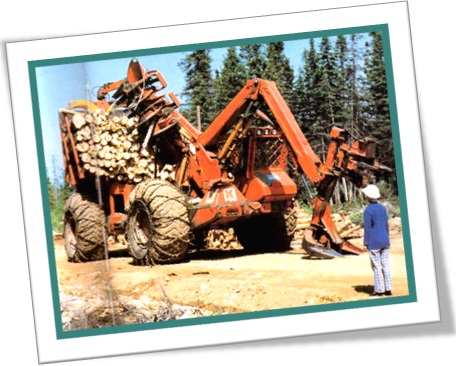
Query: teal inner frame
{"x": 60, "y": 334}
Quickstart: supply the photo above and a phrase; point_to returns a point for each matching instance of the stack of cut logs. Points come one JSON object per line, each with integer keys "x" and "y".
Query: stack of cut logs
{"x": 222, "y": 240}
{"x": 107, "y": 148}
{"x": 227, "y": 240}
{"x": 346, "y": 227}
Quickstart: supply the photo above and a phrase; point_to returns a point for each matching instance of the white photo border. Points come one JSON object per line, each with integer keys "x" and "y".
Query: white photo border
{"x": 55, "y": 345}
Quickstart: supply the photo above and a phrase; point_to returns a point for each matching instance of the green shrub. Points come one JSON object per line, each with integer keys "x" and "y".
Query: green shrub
{"x": 356, "y": 207}
{"x": 358, "y": 217}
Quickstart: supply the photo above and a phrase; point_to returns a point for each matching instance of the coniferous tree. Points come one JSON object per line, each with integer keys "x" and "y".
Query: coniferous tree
{"x": 230, "y": 80}
{"x": 57, "y": 196}
{"x": 312, "y": 88}
{"x": 322, "y": 94}
{"x": 376, "y": 79}
{"x": 279, "y": 70}
{"x": 346, "y": 98}
{"x": 354, "y": 85}
{"x": 300, "y": 101}
{"x": 328, "y": 108}
{"x": 254, "y": 60}
{"x": 342, "y": 113}
{"x": 199, "y": 88}
{"x": 379, "y": 122}
{"x": 51, "y": 192}
{"x": 306, "y": 101}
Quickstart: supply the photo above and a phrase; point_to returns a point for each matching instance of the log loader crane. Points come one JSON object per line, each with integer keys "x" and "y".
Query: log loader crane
{"x": 237, "y": 173}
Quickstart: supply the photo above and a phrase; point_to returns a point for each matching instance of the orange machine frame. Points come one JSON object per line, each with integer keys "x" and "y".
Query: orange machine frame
{"x": 202, "y": 159}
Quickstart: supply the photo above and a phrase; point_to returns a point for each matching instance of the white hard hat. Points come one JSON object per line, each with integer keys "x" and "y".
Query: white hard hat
{"x": 371, "y": 191}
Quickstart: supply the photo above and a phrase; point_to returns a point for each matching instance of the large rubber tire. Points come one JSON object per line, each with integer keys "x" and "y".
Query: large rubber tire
{"x": 84, "y": 230}
{"x": 268, "y": 233}
{"x": 284, "y": 230}
{"x": 158, "y": 226}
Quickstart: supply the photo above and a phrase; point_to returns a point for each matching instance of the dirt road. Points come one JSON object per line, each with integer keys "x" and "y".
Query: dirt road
{"x": 214, "y": 282}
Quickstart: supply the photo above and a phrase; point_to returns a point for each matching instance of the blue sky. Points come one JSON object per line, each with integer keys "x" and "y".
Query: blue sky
{"x": 61, "y": 84}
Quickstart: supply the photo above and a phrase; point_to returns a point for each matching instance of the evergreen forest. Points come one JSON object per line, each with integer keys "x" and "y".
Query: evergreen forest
{"x": 341, "y": 82}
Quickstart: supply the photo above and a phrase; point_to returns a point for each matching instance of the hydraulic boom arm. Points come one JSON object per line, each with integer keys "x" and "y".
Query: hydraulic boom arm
{"x": 203, "y": 163}
{"x": 355, "y": 161}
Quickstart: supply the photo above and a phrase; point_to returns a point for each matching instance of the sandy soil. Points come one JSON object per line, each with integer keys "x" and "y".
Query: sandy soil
{"x": 213, "y": 281}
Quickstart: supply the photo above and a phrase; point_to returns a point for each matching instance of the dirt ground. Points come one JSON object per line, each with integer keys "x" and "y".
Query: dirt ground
{"x": 214, "y": 282}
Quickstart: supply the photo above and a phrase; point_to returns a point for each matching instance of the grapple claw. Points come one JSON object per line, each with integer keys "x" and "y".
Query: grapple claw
{"x": 316, "y": 249}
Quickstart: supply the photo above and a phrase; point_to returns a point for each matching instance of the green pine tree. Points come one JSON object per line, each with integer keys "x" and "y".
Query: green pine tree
{"x": 377, "y": 106}
{"x": 279, "y": 70}
{"x": 306, "y": 98}
{"x": 230, "y": 80}
{"x": 341, "y": 83}
{"x": 57, "y": 196}
{"x": 51, "y": 192}
{"x": 354, "y": 87}
{"x": 199, "y": 87}
{"x": 254, "y": 60}
{"x": 320, "y": 70}
{"x": 327, "y": 87}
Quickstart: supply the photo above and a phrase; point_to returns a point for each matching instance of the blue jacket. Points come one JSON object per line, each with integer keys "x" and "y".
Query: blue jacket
{"x": 376, "y": 232}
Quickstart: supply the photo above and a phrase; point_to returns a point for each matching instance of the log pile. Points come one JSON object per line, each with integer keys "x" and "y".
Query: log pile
{"x": 302, "y": 224}
{"x": 346, "y": 227}
{"x": 227, "y": 240}
{"x": 222, "y": 240}
{"x": 112, "y": 147}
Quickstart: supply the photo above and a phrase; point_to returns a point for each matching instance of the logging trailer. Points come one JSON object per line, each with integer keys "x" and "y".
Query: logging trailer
{"x": 141, "y": 169}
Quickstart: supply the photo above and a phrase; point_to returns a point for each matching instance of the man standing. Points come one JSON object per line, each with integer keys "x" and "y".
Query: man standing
{"x": 377, "y": 241}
